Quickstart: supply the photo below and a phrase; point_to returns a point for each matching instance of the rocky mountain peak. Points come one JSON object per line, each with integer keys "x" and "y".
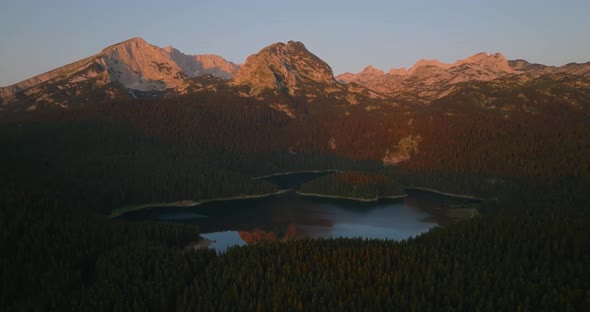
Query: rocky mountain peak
{"x": 129, "y": 43}
{"x": 494, "y": 62}
{"x": 138, "y": 65}
{"x": 370, "y": 70}
{"x": 288, "y": 67}
{"x": 169, "y": 49}
{"x": 476, "y": 58}
{"x": 424, "y": 62}
{"x": 367, "y": 73}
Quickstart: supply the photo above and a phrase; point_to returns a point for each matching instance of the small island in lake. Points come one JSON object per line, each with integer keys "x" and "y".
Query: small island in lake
{"x": 354, "y": 185}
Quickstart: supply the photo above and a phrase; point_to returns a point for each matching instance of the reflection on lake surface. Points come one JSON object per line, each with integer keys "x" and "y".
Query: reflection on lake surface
{"x": 290, "y": 216}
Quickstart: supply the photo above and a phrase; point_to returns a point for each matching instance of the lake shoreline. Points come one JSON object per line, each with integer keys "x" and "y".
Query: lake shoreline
{"x": 203, "y": 243}
{"x": 366, "y": 200}
{"x": 186, "y": 203}
{"x": 292, "y": 172}
{"x": 425, "y": 189}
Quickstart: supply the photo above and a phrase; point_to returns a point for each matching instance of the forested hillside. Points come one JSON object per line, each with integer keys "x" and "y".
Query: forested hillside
{"x": 62, "y": 172}
{"x": 193, "y": 147}
{"x": 59, "y": 258}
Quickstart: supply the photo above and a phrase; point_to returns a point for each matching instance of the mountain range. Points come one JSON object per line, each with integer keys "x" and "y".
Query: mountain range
{"x": 428, "y": 80}
{"x": 135, "y": 68}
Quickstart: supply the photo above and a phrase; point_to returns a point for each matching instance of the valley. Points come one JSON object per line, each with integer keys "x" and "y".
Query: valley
{"x": 112, "y": 165}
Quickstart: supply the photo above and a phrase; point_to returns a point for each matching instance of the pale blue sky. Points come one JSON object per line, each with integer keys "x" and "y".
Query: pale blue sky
{"x": 39, "y": 35}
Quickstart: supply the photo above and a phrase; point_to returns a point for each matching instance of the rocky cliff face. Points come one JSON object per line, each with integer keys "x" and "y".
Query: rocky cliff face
{"x": 199, "y": 65}
{"x": 137, "y": 65}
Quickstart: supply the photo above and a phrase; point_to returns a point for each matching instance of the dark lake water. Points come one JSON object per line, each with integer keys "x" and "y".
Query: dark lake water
{"x": 291, "y": 216}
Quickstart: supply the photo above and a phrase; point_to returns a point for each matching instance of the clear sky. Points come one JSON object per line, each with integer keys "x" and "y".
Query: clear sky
{"x": 40, "y": 35}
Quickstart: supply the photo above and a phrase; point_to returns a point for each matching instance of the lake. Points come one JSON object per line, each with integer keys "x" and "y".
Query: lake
{"x": 290, "y": 216}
